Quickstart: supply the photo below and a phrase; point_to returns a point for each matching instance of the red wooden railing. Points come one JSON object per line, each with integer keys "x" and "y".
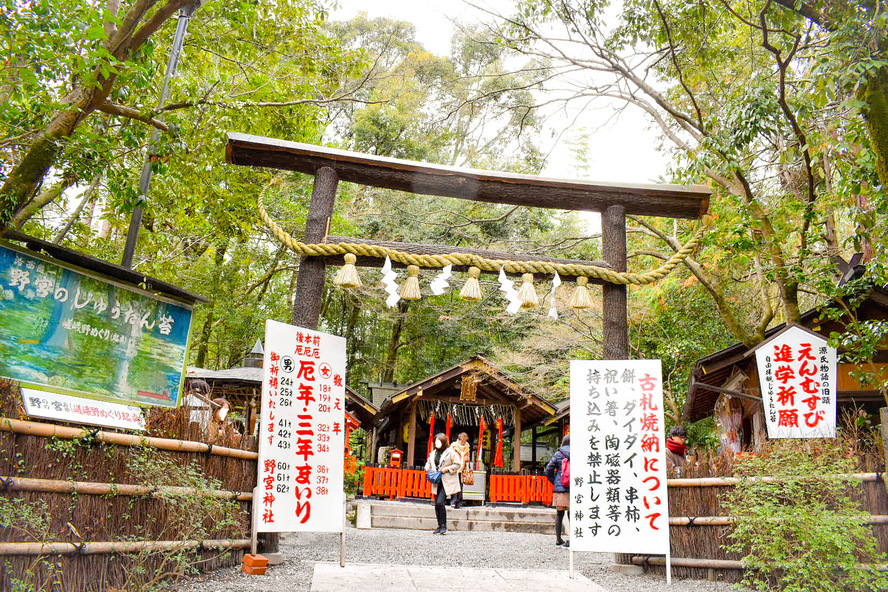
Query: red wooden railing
{"x": 523, "y": 489}
{"x": 394, "y": 483}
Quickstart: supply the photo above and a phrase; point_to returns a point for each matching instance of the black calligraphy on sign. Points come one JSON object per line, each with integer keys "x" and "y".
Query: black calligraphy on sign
{"x": 618, "y": 497}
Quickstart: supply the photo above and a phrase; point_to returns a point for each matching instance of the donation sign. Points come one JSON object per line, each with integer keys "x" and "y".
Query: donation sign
{"x": 72, "y": 333}
{"x": 618, "y": 498}
{"x": 797, "y": 375}
{"x": 301, "y": 431}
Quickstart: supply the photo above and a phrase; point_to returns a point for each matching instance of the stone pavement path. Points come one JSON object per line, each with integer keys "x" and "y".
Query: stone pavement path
{"x": 330, "y": 577}
{"x": 481, "y": 552}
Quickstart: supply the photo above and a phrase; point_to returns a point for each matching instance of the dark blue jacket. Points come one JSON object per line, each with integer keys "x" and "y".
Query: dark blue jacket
{"x": 553, "y": 468}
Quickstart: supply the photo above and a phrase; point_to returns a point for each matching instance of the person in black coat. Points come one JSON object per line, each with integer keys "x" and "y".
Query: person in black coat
{"x": 561, "y": 493}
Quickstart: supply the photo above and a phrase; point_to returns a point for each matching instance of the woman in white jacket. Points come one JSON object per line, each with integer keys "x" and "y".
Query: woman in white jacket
{"x": 445, "y": 459}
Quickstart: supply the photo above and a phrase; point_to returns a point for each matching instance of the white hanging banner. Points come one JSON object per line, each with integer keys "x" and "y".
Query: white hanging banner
{"x": 797, "y": 374}
{"x": 302, "y": 431}
{"x": 618, "y": 501}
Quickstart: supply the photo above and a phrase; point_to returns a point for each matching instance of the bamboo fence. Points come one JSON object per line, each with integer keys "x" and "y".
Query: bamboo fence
{"x": 104, "y": 520}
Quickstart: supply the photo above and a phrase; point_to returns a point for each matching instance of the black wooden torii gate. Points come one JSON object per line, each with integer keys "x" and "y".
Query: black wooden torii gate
{"x": 329, "y": 166}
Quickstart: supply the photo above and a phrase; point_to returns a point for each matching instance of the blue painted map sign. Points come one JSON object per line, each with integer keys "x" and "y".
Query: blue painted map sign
{"x": 69, "y": 332}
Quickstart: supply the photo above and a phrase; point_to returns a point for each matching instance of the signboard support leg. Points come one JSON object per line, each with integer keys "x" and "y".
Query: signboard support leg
{"x": 254, "y": 522}
{"x": 571, "y": 564}
{"x": 668, "y": 569}
{"x": 342, "y": 534}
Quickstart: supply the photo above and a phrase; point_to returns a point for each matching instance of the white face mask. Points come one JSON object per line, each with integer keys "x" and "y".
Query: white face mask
{"x": 437, "y": 443}
{"x": 222, "y": 413}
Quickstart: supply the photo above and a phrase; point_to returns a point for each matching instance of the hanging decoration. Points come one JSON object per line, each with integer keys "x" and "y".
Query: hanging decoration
{"x": 431, "y": 434}
{"x": 553, "y": 312}
{"x": 472, "y": 290}
{"x": 581, "y": 297}
{"x": 410, "y": 289}
{"x": 449, "y": 424}
{"x": 439, "y": 285}
{"x": 498, "y": 460}
{"x": 527, "y": 295}
{"x": 480, "y": 439}
{"x": 508, "y": 286}
{"x": 388, "y": 280}
{"x": 348, "y": 277}
{"x": 469, "y": 388}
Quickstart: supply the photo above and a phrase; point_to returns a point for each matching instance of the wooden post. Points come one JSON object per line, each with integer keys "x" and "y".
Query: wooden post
{"x": 533, "y": 443}
{"x": 616, "y": 327}
{"x": 411, "y": 437}
{"x": 616, "y": 330}
{"x": 310, "y": 279}
{"x": 883, "y": 415}
{"x": 516, "y": 441}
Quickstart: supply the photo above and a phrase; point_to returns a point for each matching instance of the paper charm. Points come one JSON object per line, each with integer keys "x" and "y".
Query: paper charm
{"x": 439, "y": 284}
{"x": 388, "y": 280}
{"x": 556, "y": 281}
{"x": 508, "y": 286}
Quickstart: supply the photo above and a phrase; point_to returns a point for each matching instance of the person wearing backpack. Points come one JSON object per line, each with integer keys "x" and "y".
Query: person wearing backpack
{"x": 558, "y": 472}
{"x": 448, "y": 463}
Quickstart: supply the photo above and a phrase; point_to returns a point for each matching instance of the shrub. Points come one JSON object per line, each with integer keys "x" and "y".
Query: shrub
{"x": 805, "y": 531}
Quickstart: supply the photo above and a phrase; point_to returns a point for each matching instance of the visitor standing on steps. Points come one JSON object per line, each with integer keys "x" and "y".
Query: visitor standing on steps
{"x": 561, "y": 491}
{"x": 461, "y": 446}
{"x": 447, "y": 460}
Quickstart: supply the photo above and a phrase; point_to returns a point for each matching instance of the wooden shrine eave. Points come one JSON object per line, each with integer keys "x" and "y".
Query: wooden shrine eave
{"x": 367, "y": 261}
{"x": 674, "y": 201}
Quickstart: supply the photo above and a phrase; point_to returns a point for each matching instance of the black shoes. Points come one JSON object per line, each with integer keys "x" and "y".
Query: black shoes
{"x": 437, "y": 530}
{"x": 559, "y": 542}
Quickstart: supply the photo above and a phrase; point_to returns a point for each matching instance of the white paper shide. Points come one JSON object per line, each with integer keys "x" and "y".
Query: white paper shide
{"x": 618, "y": 500}
{"x": 302, "y": 431}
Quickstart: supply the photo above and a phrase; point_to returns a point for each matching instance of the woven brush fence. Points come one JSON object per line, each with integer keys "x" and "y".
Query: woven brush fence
{"x": 698, "y": 525}
{"x": 115, "y": 516}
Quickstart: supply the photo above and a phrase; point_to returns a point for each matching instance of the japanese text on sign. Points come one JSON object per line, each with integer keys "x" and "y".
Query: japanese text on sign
{"x": 797, "y": 375}
{"x": 618, "y": 497}
{"x": 302, "y": 435}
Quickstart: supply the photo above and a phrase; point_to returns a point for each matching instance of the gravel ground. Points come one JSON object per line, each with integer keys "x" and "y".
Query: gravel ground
{"x": 415, "y": 547}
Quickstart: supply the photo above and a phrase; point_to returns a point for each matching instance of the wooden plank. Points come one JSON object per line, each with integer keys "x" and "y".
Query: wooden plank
{"x": 674, "y": 201}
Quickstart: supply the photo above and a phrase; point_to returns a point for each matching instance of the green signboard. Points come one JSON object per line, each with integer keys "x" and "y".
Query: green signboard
{"x": 66, "y": 331}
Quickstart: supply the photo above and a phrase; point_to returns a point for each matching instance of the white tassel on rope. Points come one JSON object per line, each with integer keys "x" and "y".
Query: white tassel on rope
{"x": 388, "y": 280}
{"x": 553, "y": 312}
{"x": 439, "y": 284}
{"x": 508, "y": 286}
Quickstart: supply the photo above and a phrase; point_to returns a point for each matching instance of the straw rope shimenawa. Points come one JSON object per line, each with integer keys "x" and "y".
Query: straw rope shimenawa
{"x": 483, "y": 263}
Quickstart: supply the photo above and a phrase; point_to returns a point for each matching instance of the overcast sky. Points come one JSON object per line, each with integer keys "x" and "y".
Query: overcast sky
{"x": 623, "y": 150}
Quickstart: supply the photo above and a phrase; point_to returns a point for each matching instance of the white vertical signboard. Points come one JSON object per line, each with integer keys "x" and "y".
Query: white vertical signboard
{"x": 797, "y": 374}
{"x": 302, "y": 432}
{"x": 618, "y": 500}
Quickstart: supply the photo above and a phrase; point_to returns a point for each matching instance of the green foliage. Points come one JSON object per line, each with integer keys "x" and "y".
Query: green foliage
{"x": 806, "y": 528}
{"x": 33, "y": 520}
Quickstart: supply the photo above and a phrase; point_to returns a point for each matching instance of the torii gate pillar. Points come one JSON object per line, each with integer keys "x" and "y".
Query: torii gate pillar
{"x": 613, "y": 240}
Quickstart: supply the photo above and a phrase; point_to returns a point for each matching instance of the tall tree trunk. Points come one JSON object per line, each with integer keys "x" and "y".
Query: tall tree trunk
{"x": 875, "y": 95}
{"x": 206, "y": 331}
{"x": 391, "y": 357}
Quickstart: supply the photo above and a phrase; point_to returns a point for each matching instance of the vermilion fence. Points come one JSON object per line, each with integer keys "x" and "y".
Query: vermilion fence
{"x": 394, "y": 483}
{"x": 523, "y": 489}
{"x": 397, "y": 483}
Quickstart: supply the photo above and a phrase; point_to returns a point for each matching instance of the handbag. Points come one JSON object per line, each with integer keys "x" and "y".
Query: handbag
{"x": 433, "y": 476}
{"x": 468, "y": 475}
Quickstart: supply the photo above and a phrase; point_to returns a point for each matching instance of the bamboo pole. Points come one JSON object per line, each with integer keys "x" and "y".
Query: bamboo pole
{"x": 688, "y": 562}
{"x": 728, "y": 520}
{"x": 47, "y": 430}
{"x": 84, "y": 487}
{"x": 7, "y": 549}
{"x": 729, "y": 481}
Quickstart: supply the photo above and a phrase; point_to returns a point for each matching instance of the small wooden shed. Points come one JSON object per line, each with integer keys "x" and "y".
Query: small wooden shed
{"x": 725, "y": 384}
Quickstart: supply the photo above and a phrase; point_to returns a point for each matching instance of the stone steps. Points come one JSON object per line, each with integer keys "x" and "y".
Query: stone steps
{"x": 421, "y": 516}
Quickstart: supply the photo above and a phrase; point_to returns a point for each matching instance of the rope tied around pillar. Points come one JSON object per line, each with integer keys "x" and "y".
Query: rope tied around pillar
{"x": 6, "y": 483}
{"x": 471, "y": 259}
